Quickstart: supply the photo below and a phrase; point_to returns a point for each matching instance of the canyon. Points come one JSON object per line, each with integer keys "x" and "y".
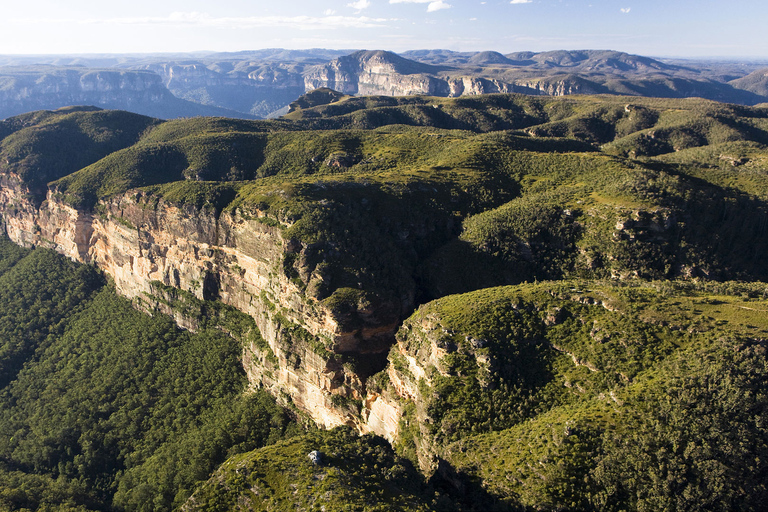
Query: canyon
{"x": 359, "y": 249}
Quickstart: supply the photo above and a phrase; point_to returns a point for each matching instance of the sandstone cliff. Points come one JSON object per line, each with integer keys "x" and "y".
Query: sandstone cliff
{"x": 385, "y": 73}
{"x": 151, "y": 247}
{"x": 250, "y": 87}
{"x": 263, "y": 83}
{"x": 371, "y": 73}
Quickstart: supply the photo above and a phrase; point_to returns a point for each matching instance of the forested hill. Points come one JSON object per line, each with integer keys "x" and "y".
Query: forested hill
{"x": 524, "y": 303}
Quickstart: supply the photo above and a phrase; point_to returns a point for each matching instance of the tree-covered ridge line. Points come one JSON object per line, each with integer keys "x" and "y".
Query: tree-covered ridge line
{"x": 217, "y": 149}
{"x": 566, "y": 156}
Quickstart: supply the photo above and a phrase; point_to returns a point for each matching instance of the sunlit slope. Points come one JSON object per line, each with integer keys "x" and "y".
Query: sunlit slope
{"x": 349, "y": 473}
{"x": 621, "y": 369}
{"x": 44, "y": 146}
{"x": 583, "y": 395}
{"x": 102, "y": 406}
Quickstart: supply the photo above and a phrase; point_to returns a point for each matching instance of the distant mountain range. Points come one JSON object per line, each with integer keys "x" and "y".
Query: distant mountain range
{"x": 254, "y": 84}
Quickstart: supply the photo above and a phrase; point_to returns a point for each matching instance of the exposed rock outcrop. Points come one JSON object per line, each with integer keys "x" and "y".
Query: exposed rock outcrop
{"x": 384, "y": 73}
{"x": 257, "y": 89}
{"x": 559, "y": 86}
{"x": 466, "y": 85}
{"x": 371, "y": 73}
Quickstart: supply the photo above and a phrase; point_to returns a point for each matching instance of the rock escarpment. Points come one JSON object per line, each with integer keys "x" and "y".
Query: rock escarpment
{"x": 257, "y": 89}
{"x": 385, "y": 73}
{"x": 154, "y": 250}
{"x": 91, "y": 87}
{"x": 371, "y": 73}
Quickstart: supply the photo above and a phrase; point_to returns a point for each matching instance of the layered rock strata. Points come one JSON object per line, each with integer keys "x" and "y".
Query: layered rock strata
{"x": 149, "y": 246}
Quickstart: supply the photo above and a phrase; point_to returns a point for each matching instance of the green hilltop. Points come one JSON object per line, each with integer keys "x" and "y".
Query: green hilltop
{"x": 531, "y": 188}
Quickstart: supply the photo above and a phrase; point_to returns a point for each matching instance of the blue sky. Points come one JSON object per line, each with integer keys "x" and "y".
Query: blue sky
{"x": 685, "y": 28}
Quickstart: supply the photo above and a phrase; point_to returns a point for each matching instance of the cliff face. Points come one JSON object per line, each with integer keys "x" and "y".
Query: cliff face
{"x": 148, "y": 245}
{"x": 372, "y": 73}
{"x": 259, "y": 90}
{"x": 72, "y": 87}
{"x": 28, "y": 89}
{"x": 384, "y": 73}
{"x": 559, "y": 86}
{"x": 414, "y": 362}
{"x": 184, "y": 77}
{"x": 473, "y": 86}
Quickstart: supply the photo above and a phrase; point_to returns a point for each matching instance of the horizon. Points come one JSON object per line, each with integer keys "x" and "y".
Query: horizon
{"x": 685, "y": 30}
{"x": 348, "y": 51}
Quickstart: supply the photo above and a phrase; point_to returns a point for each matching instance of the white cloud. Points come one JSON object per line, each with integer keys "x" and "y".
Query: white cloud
{"x": 360, "y": 4}
{"x": 434, "y": 5}
{"x": 329, "y": 12}
{"x": 204, "y": 20}
{"x": 438, "y": 5}
{"x": 625, "y": 10}
{"x": 513, "y": 2}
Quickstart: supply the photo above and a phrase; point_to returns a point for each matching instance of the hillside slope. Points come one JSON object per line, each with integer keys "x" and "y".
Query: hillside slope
{"x": 106, "y": 408}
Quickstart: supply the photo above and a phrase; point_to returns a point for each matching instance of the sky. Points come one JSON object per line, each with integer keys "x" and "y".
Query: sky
{"x": 660, "y": 28}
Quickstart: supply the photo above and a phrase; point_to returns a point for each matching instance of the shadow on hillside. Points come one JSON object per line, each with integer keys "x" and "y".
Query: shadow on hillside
{"x": 460, "y": 492}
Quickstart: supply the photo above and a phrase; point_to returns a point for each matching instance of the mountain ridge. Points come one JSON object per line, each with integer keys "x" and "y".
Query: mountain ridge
{"x": 262, "y": 83}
